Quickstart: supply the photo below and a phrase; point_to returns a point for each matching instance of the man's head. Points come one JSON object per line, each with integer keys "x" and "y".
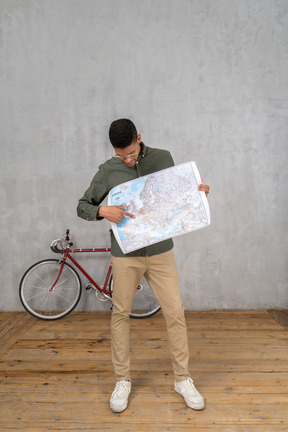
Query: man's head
{"x": 125, "y": 141}
{"x": 122, "y": 133}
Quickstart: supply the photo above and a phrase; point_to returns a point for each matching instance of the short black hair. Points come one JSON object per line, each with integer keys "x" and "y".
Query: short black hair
{"x": 122, "y": 133}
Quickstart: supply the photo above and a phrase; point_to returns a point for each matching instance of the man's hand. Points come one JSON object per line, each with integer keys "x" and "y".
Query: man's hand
{"x": 204, "y": 188}
{"x": 114, "y": 214}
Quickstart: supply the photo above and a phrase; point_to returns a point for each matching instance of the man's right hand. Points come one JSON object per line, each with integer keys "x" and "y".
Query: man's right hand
{"x": 114, "y": 214}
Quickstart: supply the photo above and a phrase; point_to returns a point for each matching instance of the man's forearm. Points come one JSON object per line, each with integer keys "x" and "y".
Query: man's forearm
{"x": 87, "y": 211}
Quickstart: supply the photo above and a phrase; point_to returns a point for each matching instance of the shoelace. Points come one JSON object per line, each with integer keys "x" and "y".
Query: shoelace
{"x": 121, "y": 387}
{"x": 190, "y": 386}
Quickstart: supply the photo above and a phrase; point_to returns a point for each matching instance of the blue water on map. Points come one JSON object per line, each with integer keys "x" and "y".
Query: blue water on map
{"x": 121, "y": 196}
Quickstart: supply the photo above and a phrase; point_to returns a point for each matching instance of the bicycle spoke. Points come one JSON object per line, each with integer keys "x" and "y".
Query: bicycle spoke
{"x": 41, "y": 279}
{"x": 43, "y": 306}
{"x": 36, "y": 295}
{"x": 69, "y": 277}
{"x": 59, "y": 295}
{"x": 37, "y": 287}
{"x": 68, "y": 288}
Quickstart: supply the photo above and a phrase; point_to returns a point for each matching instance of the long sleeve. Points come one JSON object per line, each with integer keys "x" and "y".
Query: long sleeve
{"x": 88, "y": 205}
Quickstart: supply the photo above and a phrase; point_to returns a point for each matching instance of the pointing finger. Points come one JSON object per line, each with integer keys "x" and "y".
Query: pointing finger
{"x": 128, "y": 214}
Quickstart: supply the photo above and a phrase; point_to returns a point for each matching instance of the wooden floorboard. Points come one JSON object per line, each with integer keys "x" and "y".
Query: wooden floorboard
{"x": 58, "y": 375}
{"x": 280, "y": 316}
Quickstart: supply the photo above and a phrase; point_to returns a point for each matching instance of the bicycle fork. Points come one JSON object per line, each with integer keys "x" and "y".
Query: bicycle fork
{"x": 62, "y": 261}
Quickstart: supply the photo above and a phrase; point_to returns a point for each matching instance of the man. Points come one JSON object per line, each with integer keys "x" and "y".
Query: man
{"x": 133, "y": 159}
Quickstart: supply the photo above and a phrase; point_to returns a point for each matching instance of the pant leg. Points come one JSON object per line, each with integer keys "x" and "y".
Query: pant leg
{"x": 162, "y": 276}
{"x": 127, "y": 273}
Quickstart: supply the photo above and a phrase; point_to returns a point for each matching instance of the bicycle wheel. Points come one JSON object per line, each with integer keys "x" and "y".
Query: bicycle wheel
{"x": 145, "y": 303}
{"x": 39, "y": 300}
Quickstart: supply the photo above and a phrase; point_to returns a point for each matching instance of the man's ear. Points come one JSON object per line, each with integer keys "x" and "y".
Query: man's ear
{"x": 139, "y": 138}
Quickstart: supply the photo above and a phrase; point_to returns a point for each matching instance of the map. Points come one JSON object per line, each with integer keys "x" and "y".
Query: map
{"x": 166, "y": 204}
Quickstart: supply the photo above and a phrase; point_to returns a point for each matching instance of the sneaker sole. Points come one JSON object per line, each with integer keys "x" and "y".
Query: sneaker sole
{"x": 197, "y": 406}
{"x": 118, "y": 409}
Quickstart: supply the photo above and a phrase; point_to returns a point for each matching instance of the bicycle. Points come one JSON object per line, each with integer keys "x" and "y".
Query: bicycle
{"x": 50, "y": 289}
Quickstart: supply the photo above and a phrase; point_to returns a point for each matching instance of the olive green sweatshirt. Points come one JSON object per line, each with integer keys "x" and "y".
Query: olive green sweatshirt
{"x": 114, "y": 172}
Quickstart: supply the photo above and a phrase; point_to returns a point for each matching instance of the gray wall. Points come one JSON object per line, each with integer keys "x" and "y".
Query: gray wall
{"x": 206, "y": 79}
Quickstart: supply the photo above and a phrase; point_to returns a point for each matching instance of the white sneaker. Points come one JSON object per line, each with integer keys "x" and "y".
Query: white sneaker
{"x": 189, "y": 392}
{"x": 119, "y": 397}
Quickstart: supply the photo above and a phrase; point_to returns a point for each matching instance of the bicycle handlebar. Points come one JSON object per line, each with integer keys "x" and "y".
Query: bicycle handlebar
{"x": 63, "y": 243}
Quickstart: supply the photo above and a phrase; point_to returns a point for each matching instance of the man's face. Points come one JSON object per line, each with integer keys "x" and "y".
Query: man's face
{"x": 130, "y": 154}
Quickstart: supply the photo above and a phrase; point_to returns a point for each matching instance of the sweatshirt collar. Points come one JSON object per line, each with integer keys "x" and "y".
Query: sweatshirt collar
{"x": 143, "y": 151}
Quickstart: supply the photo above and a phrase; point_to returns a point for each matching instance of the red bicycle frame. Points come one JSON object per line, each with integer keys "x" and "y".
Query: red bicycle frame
{"x": 67, "y": 254}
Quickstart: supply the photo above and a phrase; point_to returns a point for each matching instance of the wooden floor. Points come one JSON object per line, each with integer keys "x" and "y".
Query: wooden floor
{"x": 58, "y": 375}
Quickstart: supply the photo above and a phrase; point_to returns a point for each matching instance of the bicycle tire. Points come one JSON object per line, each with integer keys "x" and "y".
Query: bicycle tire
{"x": 144, "y": 303}
{"x": 39, "y": 300}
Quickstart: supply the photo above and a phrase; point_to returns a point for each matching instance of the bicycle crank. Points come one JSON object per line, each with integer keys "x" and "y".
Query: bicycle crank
{"x": 102, "y": 296}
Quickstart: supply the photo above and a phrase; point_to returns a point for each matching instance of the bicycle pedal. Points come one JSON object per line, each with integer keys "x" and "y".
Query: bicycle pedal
{"x": 88, "y": 287}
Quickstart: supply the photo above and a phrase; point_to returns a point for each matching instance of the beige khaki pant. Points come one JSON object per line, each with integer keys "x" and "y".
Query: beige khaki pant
{"x": 162, "y": 276}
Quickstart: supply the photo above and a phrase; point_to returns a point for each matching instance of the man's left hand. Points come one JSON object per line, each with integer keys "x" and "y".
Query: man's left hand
{"x": 204, "y": 188}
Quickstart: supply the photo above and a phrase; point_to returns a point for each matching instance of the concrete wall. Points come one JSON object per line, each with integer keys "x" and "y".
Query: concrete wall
{"x": 206, "y": 79}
